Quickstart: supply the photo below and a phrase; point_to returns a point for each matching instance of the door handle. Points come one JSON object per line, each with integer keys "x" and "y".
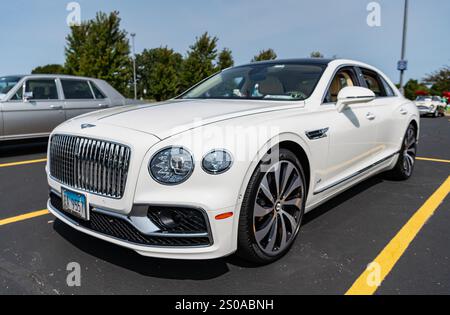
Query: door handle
{"x": 403, "y": 111}
{"x": 370, "y": 116}
{"x": 103, "y": 105}
{"x": 56, "y": 106}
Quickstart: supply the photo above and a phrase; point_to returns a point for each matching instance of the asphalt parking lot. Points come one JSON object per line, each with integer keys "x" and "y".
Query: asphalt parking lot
{"x": 337, "y": 241}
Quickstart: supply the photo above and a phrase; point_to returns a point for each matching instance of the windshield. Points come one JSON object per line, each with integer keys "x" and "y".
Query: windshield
{"x": 266, "y": 81}
{"x": 7, "y": 83}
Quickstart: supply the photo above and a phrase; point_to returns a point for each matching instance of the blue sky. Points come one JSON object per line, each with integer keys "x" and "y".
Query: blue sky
{"x": 33, "y": 32}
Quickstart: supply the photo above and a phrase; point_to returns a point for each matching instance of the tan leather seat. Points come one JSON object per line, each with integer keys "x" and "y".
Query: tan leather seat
{"x": 340, "y": 81}
{"x": 335, "y": 88}
{"x": 271, "y": 86}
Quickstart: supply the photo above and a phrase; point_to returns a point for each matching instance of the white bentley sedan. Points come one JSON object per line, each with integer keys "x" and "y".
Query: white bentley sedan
{"x": 233, "y": 164}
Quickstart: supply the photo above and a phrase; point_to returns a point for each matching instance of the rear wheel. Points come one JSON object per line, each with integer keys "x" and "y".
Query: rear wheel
{"x": 272, "y": 210}
{"x": 407, "y": 156}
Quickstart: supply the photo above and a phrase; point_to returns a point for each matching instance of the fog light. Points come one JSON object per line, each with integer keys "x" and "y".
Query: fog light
{"x": 169, "y": 219}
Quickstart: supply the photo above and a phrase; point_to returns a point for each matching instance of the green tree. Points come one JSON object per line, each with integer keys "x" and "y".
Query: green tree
{"x": 316, "y": 54}
{"x": 411, "y": 87}
{"x": 159, "y": 73}
{"x": 49, "y": 69}
{"x": 440, "y": 80}
{"x": 199, "y": 63}
{"x": 99, "y": 48}
{"x": 225, "y": 59}
{"x": 267, "y": 54}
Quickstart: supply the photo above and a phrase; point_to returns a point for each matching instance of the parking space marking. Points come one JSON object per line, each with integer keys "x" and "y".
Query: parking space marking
{"x": 433, "y": 160}
{"x": 24, "y": 217}
{"x": 386, "y": 260}
{"x": 23, "y": 163}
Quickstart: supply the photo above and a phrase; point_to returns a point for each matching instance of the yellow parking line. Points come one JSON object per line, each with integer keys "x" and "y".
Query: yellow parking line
{"x": 24, "y": 217}
{"x": 433, "y": 160}
{"x": 23, "y": 163}
{"x": 376, "y": 272}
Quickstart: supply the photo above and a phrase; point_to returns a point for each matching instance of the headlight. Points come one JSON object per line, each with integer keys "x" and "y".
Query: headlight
{"x": 171, "y": 166}
{"x": 217, "y": 162}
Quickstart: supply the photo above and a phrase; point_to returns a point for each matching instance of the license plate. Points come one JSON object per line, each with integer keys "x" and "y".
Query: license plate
{"x": 75, "y": 204}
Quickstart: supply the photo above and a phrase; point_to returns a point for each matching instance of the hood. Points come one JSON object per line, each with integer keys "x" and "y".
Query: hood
{"x": 169, "y": 118}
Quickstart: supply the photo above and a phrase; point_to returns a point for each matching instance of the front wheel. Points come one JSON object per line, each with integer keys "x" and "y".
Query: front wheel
{"x": 407, "y": 156}
{"x": 272, "y": 210}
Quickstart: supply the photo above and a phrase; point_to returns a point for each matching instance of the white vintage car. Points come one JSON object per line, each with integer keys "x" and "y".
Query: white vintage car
{"x": 233, "y": 164}
{"x": 430, "y": 105}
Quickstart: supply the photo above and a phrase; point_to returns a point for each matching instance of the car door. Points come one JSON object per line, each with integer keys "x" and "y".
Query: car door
{"x": 33, "y": 113}
{"x": 389, "y": 112}
{"x": 81, "y": 98}
{"x": 352, "y": 132}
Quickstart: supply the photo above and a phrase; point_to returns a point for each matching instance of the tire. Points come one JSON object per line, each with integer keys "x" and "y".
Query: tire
{"x": 407, "y": 156}
{"x": 268, "y": 228}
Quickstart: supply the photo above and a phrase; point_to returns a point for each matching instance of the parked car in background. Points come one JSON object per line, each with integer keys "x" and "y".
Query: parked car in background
{"x": 31, "y": 106}
{"x": 431, "y": 105}
{"x": 235, "y": 162}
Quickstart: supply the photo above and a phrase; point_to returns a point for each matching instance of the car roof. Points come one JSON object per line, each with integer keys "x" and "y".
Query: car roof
{"x": 61, "y": 76}
{"x": 309, "y": 61}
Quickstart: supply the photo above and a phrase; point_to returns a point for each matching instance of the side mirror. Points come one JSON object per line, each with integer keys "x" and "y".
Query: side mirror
{"x": 27, "y": 96}
{"x": 353, "y": 95}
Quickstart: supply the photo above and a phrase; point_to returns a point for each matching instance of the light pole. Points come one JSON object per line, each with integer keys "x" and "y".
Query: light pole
{"x": 403, "y": 65}
{"x": 133, "y": 35}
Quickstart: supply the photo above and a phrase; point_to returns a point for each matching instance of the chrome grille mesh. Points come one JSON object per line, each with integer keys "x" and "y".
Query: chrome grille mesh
{"x": 96, "y": 166}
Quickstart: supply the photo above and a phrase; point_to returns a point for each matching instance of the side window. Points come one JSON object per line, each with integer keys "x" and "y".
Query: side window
{"x": 374, "y": 82}
{"x": 345, "y": 77}
{"x": 42, "y": 89}
{"x": 389, "y": 91}
{"x": 97, "y": 92}
{"x": 76, "y": 89}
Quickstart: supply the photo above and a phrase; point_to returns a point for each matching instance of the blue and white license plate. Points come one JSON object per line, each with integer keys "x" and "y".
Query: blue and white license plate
{"x": 75, "y": 204}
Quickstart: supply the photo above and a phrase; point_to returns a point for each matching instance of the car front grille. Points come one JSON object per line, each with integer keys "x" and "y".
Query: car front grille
{"x": 121, "y": 229}
{"x": 95, "y": 166}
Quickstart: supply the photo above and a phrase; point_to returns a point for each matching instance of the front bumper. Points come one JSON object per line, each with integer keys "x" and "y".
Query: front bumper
{"x": 423, "y": 110}
{"x": 122, "y": 231}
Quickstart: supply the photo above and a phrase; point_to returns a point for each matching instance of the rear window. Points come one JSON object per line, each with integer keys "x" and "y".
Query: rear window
{"x": 97, "y": 92}
{"x": 76, "y": 90}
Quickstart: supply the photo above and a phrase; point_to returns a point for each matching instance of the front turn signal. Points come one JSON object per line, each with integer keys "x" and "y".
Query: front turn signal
{"x": 224, "y": 216}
